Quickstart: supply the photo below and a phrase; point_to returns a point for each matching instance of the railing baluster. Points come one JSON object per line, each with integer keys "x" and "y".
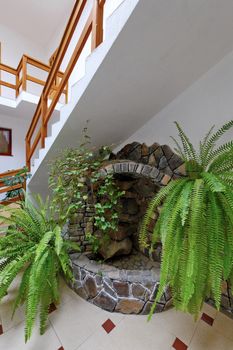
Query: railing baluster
{"x": 28, "y": 149}
{"x": 24, "y": 74}
{"x": 97, "y": 26}
{"x": 44, "y": 108}
{"x": 52, "y": 90}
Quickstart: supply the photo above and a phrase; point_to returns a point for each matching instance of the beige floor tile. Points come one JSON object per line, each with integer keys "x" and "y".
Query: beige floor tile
{"x": 209, "y": 310}
{"x": 134, "y": 332}
{"x": 224, "y": 325}
{"x": 76, "y": 321}
{"x": 99, "y": 341}
{"x": 66, "y": 293}
{"x": 6, "y": 316}
{"x": 6, "y": 307}
{"x": 207, "y": 338}
{"x": 14, "y": 340}
{"x": 182, "y": 325}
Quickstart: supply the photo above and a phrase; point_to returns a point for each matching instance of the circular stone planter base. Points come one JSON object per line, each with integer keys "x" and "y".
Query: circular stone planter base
{"x": 118, "y": 290}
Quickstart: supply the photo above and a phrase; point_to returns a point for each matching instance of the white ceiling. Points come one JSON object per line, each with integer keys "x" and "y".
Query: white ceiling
{"x": 37, "y": 20}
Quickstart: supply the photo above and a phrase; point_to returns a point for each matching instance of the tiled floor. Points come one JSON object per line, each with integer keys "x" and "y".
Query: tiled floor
{"x": 78, "y": 325}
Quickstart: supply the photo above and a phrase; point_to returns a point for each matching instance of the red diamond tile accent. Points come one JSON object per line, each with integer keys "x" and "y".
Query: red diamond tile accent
{"x": 1, "y": 330}
{"x": 52, "y": 308}
{"x": 179, "y": 345}
{"x": 61, "y": 348}
{"x": 108, "y": 326}
{"x": 206, "y": 318}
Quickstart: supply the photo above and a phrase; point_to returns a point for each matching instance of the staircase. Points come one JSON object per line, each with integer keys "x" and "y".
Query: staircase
{"x": 38, "y": 132}
{"x": 143, "y": 56}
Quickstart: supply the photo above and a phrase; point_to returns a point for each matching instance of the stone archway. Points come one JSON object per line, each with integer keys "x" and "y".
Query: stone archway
{"x": 140, "y": 170}
{"x": 119, "y": 285}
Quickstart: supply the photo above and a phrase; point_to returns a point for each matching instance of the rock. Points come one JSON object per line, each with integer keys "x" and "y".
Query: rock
{"x": 125, "y": 185}
{"x": 115, "y": 248}
{"x": 90, "y": 286}
{"x": 138, "y": 290}
{"x": 121, "y": 288}
{"x": 124, "y": 152}
{"x": 153, "y": 147}
{"x": 129, "y": 206}
{"x": 180, "y": 170}
{"x": 105, "y": 301}
{"x": 123, "y": 232}
{"x": 175, "y": 162}
{"x": 145, "y": 187}
{"x": 163, "y": 163}
{"x": 129, "y": 306}
{"x": 165, "y": 180}
{"x": 80, "y": 291}
{"x": 167, "y": 151}
{"x": 154, "y": 292}
{"x": 147, "y": 308}
{"x": 152, "y": 160}
{"x": 168, "y": 171}
{"x": 145, "y": 150}
{"x": 132, "y": 219}
{"x": 110, "y": 290}
{"x": 158, "y": 153}
{"x": 76, "y": 272}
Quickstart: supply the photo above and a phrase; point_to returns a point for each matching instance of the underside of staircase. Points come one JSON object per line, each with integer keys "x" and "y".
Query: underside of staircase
{"x": 151, "y": 52}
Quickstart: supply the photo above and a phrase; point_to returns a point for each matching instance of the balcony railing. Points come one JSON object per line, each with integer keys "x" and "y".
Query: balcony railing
{"x": 18, "y": 179}
{"x": 21, "y": 76}
{"x": 49, "y": 98}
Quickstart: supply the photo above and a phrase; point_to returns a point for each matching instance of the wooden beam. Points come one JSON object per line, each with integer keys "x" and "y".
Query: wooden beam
{"x": 11, "y": 188}
{"x": 66, "y": 39}
{"x": 24, "y": 74}
{"x": 74, "y": 58}
{"x": 8, "y": 69}
{"x": 0, "y": 68}
{"x": 97, "y": 28}
{"x": 8, "y": 85}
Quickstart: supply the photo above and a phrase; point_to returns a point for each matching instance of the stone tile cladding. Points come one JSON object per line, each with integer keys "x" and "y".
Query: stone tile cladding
{"x": 155, "y": 163}
{"x": 113, "y": 289}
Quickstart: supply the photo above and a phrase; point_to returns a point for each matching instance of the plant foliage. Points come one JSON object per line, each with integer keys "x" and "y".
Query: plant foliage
{"x": 77, "y": 183}
{"x": 195, "y": 224}
{"x": 17, "y": 179}
{"x": 34, "y": 246}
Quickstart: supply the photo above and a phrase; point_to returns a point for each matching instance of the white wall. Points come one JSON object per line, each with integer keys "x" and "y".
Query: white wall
{"x": 19, "y": 129}
{"x": 209, "y": 101}
{"x": 79, "y": 70}
{"x": 14, "y": 46}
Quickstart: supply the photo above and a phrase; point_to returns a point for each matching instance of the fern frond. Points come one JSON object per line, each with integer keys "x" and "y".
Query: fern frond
{"x": 213, "y": 183}
{"x": 161, "y": 195}
{"x": 189, "y": 150}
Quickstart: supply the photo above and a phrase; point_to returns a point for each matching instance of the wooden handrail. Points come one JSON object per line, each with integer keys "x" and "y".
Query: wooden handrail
{"x": 25, "y": 61}
{"x": 44, "y": 112}
{"x": 11, "y": 174}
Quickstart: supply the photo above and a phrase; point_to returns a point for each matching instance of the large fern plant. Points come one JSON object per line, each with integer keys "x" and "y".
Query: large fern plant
{"x": 33, "y": 245}
{"x": 195, "y": 224}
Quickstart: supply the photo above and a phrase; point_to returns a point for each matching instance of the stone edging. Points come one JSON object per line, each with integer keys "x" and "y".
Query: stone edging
{"x": 115, "y": 290}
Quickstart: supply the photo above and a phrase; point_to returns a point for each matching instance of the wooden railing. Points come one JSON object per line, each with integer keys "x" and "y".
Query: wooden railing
{"x": 43, "y": 113}
{"x": 21, "y": 76}
{"x": 17, "y": 187}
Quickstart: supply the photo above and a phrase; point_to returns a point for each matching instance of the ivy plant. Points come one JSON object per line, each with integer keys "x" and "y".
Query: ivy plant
{"x": 195, "y": 224}
{"x": 77, "y": 183}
